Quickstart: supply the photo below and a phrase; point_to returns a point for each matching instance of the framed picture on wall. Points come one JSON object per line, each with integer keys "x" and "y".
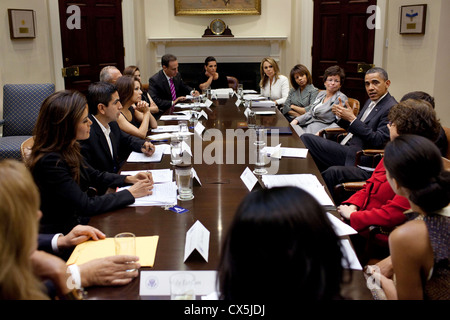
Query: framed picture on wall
{"x": 21, "y": 24}
{"x": 209, "y": 7}
{"x": 412, "y": 19}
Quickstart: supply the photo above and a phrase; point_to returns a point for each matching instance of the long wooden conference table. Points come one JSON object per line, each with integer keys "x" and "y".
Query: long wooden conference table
{"x": 215, "y": 200}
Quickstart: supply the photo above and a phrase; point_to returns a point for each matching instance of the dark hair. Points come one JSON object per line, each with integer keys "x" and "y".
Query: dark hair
{"x": 209, "y": 59}
{"x": 419, "y": 95}
{"x": 416, "y": 164}
{"x": 165, "y": 59}
{"x": 125, "y": 88}
{"x": 56, "y": 128}
{"x": 302, "y": 71}
{"x": 334, "y": 71}
{"x": 380, "y": 71}
{"x": 99, "y": 92}
{"x": 415, "y": 117}
{"x": 280, "y": 245}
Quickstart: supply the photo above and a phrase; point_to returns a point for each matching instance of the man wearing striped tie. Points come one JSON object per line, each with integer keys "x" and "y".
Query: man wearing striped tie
{"x": 166, "y": 86}
{"x": 368, "y": 130}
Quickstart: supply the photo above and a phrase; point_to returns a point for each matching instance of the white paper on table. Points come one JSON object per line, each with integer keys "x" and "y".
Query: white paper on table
{"x": 190, "y": 105}
{"x": 238, "y": 102}
{"x": 174, "y": 117}
{"x": 140, "y": 157}
{"x": 164, "y": 194}
{"x": 253, "y": 97}
{"x": 307, "y": 182}
{"x": 352, "y": 258}
{"x": 341, "y": 228}
{"x": 170, "y": 128}
{"x": 249, "y": 179}
{"x": 159, "y": 175}
{"x": 157, "y": 283}
{"x": 249, "y": 91}
{"x": 197, "y": 238}
{"x": 264, "y": 112}
{"x": 288, "y": 152}
{"x": 263, "y": 103}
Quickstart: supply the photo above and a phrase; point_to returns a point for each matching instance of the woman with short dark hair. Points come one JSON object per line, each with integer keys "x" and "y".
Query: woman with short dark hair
{"x": 302, "y": 94}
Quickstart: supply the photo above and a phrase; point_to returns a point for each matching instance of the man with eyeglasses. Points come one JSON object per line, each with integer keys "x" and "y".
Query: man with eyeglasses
{"x": 368, "y": 130}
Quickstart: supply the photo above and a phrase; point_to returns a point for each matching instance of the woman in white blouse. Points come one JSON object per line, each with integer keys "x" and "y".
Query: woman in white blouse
{"x": 273, "y": 85}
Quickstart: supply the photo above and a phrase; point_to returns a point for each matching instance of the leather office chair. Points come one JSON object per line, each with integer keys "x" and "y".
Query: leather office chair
{"x": 233, "y": 82}
{"x": 21, "y": 105}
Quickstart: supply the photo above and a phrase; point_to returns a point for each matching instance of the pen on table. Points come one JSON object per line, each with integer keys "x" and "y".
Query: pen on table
{"x": 164, "y": 140}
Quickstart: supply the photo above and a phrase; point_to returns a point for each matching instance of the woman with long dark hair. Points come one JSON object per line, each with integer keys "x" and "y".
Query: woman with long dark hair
{"x": 419, "y": 247}
{"x": 62, "y": 176}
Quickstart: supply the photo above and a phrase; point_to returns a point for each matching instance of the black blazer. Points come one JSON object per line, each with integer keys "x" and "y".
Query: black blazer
{"x": 373, "y": 132}
{"x": 65, "y": 203}
{"x": 159, "y": 90}
{"x": 95, "y": 150}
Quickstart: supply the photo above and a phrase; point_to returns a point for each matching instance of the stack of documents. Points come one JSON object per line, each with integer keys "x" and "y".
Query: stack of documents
{"x": 90, "y": 250}
{"x": 164, "y": 194}
{"x": 253, "y": 97}
{"x": 174, "y": 117}
{"x": 307, "y": 182}
{"x": 263, "y": 103}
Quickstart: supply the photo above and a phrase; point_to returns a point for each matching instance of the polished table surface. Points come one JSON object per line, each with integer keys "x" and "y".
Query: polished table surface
{"x": 215, "y": 200}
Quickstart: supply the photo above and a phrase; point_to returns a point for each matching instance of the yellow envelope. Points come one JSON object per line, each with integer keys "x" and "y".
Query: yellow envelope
{"x": 90, "y": 250}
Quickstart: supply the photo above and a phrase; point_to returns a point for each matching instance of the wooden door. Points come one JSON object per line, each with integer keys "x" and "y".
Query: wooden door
{"x": 97, "y": 42}
{"x": 342, "y": 37}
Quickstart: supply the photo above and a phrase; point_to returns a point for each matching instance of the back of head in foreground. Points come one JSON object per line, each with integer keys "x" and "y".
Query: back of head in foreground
{"x": 19, "y": 198}
{"x": 280, "y": 246}
{"x": 416, "y": 164}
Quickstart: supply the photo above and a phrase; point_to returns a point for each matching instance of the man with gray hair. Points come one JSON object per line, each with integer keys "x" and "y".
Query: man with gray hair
{"x": 110, "y": 74}
{"x": 368, "y": 130}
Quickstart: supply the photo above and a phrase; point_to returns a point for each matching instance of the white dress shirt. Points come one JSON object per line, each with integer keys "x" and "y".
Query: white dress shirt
{"x": 106, "y": 132}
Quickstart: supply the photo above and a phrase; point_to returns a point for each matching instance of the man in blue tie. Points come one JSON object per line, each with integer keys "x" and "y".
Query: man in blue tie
{"x": 166, "y": 87}
{"x": 368, "y": 130}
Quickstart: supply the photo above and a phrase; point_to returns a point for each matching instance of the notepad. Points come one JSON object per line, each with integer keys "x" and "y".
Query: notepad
{"x": 90, "y": 250}
{"x": 140, "y": 157}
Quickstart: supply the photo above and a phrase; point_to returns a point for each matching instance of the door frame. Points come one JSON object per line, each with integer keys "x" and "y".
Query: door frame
{"x": 56, "y": 44}
{"x": 307, "y": 10}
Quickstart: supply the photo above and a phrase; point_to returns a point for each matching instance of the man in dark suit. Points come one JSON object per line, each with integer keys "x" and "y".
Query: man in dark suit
{"x": 367, "y": 130}
{"x": 166, "y": 86}
{"x": 108, "y": 146}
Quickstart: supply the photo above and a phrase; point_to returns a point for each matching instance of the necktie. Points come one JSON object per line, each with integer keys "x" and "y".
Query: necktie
{"x": 364, "y": 117}
{"x": 172, "y": 90}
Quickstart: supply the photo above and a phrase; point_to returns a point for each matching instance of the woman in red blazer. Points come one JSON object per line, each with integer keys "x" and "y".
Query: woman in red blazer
{"x": 376, "y": 204}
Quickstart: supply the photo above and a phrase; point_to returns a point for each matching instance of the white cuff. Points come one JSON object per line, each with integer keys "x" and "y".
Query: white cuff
{"x": 76, "y": 276}
{"x": 55, "y": 242}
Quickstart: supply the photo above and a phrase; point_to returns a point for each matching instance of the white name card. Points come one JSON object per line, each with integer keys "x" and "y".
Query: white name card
{"x": 249, "y": 179}
{"x": 197, "y": 238}
{"x": 199, "y": 128}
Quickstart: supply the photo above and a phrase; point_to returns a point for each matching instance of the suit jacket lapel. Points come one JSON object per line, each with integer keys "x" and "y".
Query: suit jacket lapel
{"x": 101, "y": 136}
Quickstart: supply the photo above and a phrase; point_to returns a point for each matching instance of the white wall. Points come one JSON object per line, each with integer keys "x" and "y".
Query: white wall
{"x": 275, "y": 20}
{"x": 419, "y": 62}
